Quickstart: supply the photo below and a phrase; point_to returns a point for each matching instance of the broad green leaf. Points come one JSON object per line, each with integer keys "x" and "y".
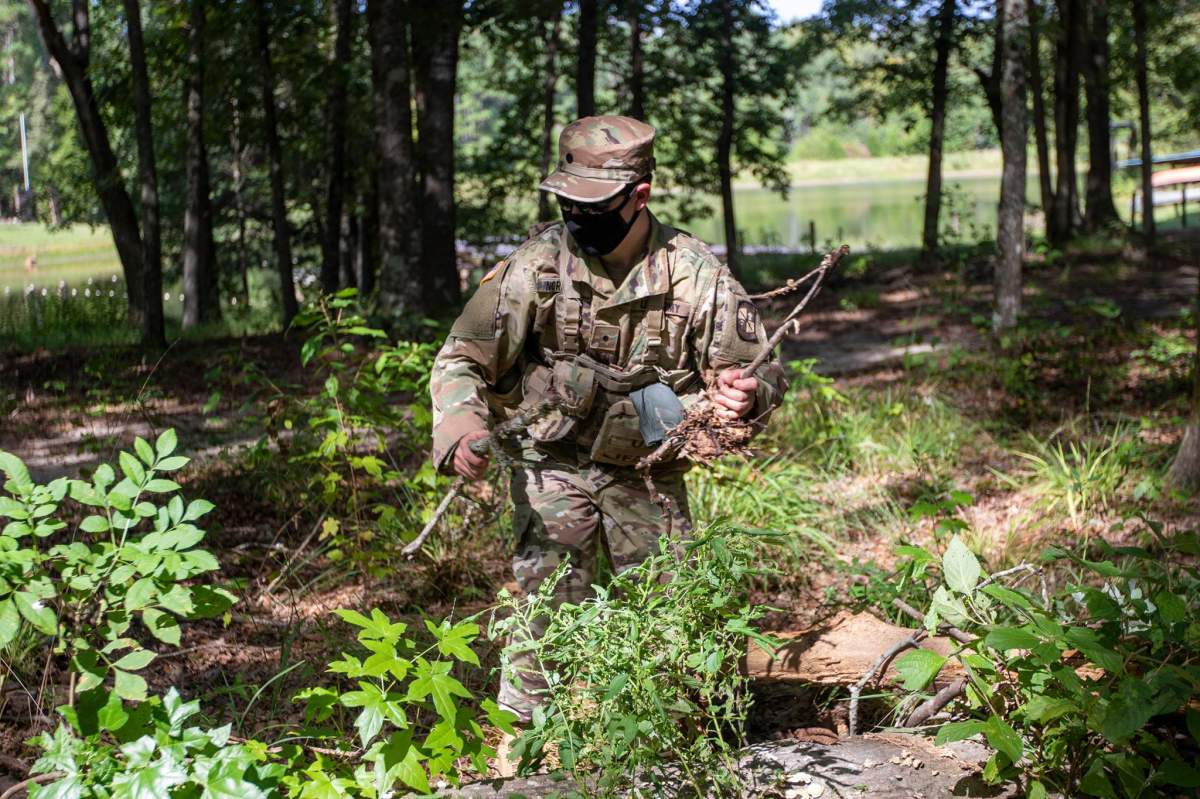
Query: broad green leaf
{"x": 1003, "y": 738}
{"x": 171, "y": 464}
{"x": 103, "y": 476}
{"x": 67, "y": 788}
{"x": 153, "y": 781}
{"x": 140, "y": 594}
{"x": 15, "y": 470}
{"x": 378, "y": 626}
{"x": 94, "y": 524}
{"x": 161, "y": 485}
{"x": 958, "y": 731}
{"x": 10, "y": 621}
{"x": 196, "y": 508}
{"x": 132, "y": 469}
{"x": 36, "y": 612}
{"x": 1036, "y": 791}
{"x": 162, "y": 626}
{"x": 1006, "y": 638}
{"x": 144, "y": 450}
{"x": 498, "y": 717}
{"x": 918, "y": 667}
{"x": 434, "y": 680}
{"x": 1170, "y": 606}
{"x": 135, "y": 660}
{"x": 112, "y": 715}
{"x": 948, "y": 606}
{"x": 1128, "y": 709}
{"x": 1193, "y": 724}
{"x": 129, "y": 686}
{"x": 1096, "y": 783}
{"x": 1041, "y": 709}
{"x": 165, "y": 444}
{"x": 960, "y": 567}
{"x": 1176, "y": 772}
{"x": 454, "y": 642}
{"x": 371, "y": 703}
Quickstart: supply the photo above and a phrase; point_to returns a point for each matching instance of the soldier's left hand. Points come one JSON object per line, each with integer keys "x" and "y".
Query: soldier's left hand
{"x": 735, "y": 394}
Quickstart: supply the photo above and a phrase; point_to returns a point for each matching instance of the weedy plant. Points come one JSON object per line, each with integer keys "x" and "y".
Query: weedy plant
{"x": 1086, "y": 690}
{"x": 644, "y": 690}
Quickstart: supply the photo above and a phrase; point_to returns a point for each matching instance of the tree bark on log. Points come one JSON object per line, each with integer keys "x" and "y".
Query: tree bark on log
{"x": 1100, "y": 211}
{"x": 1010, "y": 228}
{"x": 943, "y": 43}
{"x": 200, "y": 298}
{"x": 282, "y": 233}
{"x": 153, "y": 329}
{"x": 71, "y": 62}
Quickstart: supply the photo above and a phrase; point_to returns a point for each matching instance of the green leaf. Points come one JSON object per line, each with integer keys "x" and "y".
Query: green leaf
{"x": 960, "y": 567}
{"x": 161, "y": 485}
{"x": 196, "y": 508}
{"x": 918, "y": 667}
{"x": 153, "y": 781}
{"x": 165, "y": 444}
{"x": 434, "y": 680}
{"x": 171, "y": 464}
{"x": 374, "y": 709}
{"x": 94, "y": 524}
{"x": 144, "y": 450}
{"x": 112, "y": 715}
{"x": 36, "y": 612}
{"x": 958, "y": 731}
{"x": 1036, "y": 791}
{"x": 129, "y": 686}
{"x": 162, "y": 626}
{"x": 15, "y": 470}
{"x": 1003, "y": 738}
{"x": 10, "y": 621}
{"x": 454, "y": 641}
{"x": 135, "y": 660}
{"x": 1042, "y": 709}
{"x": 67, "y": 788}
{"x": 1006, "y": 638}
{"x": 1193, "y": 724}
{"x": 499, "y": 717}
{"x": 140, "y": 594}
{"x": 1176, "y": 772}
{"x": 377, "y": 627}
{"x": 132, "y": 469}
{"x": 178, "y": 600}
{"x": 1170, "y": 606}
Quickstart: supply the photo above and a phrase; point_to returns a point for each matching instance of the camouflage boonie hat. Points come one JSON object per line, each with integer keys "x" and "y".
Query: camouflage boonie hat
{"x": 598, "y": 156}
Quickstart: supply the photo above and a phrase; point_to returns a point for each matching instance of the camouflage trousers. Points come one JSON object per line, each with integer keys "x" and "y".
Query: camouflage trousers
{"x": 564, "y": 513}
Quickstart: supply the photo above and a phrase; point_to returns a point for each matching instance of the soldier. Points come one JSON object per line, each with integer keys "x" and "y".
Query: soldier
{"x": 604, "y": 309}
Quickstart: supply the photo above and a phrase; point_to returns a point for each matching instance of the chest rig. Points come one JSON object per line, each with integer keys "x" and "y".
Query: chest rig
{"x": 590, "y": 366}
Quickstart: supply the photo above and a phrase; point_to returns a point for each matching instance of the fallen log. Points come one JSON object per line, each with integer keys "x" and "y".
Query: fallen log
{"x": 881, "y": 766}
{"x": 841, "y": 651}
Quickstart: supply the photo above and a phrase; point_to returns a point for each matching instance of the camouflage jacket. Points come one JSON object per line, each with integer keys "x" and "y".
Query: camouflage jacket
{"x": 548, "y": 316}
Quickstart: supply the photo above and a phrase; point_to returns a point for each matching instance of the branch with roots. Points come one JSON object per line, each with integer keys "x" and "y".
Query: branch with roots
{"x": 703, "y": 435}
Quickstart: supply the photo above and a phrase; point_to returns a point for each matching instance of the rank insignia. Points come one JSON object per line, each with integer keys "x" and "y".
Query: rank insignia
{"x": 747, "y": 321}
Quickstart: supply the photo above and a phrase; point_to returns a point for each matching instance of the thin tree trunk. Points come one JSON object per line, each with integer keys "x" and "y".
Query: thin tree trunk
{"x": 153, "y": 329}
{"x": 435, "y": 58}
{"x": 1101, "y": 211}
{"x": 239, "y": 198}
{"x": 399, "y": 277}
{"x": 637, "y": 65}
{"x": 549, "y": 84}
{"x": 1039, "y": 118}
{"x": 726, "y": 135}
{"x": 72, "y": 62}
{"x": 282, "y": 233}
{"x": 369, "y": 238}
{"x": 337, "y": 146}
{"x": 1010, "y": 235}
{"x": 1066, "y": 118}
{"x": 1143, "y": 86}
{"x": 1184, "y": 474}
{"x": 937, "y": 129}
{"x": 990, "y": 81}
{"x": 200, "y": 299}
{"x": 585, "y": 81}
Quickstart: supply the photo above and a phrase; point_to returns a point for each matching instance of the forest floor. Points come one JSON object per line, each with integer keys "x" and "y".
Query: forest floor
{"x": 919, "y": 401}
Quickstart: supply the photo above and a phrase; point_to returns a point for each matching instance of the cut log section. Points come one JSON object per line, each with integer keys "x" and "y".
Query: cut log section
{"x": 841, "y": 651}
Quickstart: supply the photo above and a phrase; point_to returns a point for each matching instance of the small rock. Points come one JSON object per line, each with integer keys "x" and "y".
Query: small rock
{"x": 799, "y": 777}
{"x": 894, "y": 760}
{"x": 869, "y": 763}
{"x": 934, "y": 773}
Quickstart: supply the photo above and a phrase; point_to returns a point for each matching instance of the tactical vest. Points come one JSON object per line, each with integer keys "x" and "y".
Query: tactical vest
{"x": 594, "y": 390}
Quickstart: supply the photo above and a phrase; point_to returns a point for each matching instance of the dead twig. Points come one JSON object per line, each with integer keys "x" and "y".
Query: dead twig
{"x": 25, "y": 785}
{"x": 911, "y": 642}
{"x": 299, "y": 550}
{"x": 930, "y": 707}
{"x": 489, "y": 443}
{"x": 792, "y": 285}
{"x": 913, "y": 613}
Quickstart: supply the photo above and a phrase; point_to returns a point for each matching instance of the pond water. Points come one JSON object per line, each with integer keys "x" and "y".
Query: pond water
{"x": 882, "y": 214}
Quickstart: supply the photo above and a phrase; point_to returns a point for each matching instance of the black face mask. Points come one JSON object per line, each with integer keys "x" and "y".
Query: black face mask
{"x": 599, "y": 234}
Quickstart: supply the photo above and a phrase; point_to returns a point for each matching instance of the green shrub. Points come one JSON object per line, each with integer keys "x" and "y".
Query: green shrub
{"x": 643, "y": 677}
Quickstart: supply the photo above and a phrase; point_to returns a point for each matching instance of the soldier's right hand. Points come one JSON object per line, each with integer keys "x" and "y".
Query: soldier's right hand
{"x": 466, "y": 462}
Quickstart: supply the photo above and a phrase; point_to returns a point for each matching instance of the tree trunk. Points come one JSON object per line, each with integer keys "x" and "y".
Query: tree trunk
{"x": 1039, "y": 118}
{"x": 368, "y": 241}
{"x": 239, "y": 197}
{"x": 153, "y": 330}
{"x": 435, "y": 58}
{"x": 990, "y": 81}
{"x": 399, "y": 277}
{"x": 585, "y": 81}
{"x": 1184, "y": 474}
{"x": 549, "y": 83}
{"x": 72, "y": 62}
{"x": 637, "y": 65}
{"x": 1010, "y": 228}
{"x": 335, "y": 193}
{"x": 282, "y": 233}
{"x": 1100, "y": 212}
{"x": 1066, "y": 118}
{"x": 1143, "y": 86}
{"x": 937, "y": 128}
{"x": 200, "y": 299}
{"x": 726, "y": 134}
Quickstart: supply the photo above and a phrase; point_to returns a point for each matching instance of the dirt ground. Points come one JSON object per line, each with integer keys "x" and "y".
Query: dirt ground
{"x": 65, "y": 412}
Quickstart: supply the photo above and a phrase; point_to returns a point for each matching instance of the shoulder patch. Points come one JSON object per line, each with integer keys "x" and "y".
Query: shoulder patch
{"x": 747, "y": 321}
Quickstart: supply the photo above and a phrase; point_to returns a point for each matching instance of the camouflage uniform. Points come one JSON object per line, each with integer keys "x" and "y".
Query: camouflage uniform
{"x": 549, "y": 318}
